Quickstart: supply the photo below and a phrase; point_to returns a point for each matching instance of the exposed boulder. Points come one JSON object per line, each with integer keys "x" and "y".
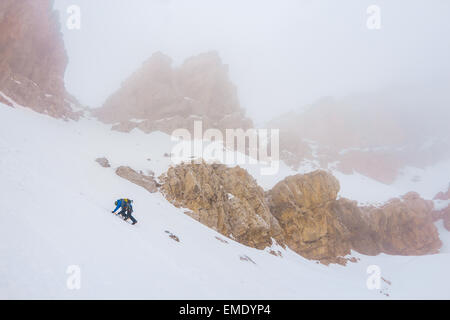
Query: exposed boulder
{"x": 103, "y": 162}
{"x": 145, "y": 181}
{"x": 319, "y": 227}
{"x": 363, "y": 237}
{"x": 172, "y": 236}
{"x": 158, "y": 97}
{"x": 301, "y": 204}
{"x": 225, "y": 199}
{"x": 405, "y": 226}
{"x": 33, "y": 58}
{"x": 302, "y": 212}
{"x": 402, "y": 226}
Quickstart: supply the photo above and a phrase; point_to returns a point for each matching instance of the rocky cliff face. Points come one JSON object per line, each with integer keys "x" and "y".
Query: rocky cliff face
{"x": 302, "y": 212}
{"x": 318, "y": 226}
{"x": 32, "y": 58}
{"x": 404, "y": 226}
{"x": 363, "y": 237}
{"x": 225, "y": 199}
{"x": 301, "y": 205}
{"x": 160, "y": 97}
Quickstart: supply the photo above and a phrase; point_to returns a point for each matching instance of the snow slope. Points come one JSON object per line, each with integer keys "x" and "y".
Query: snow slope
{"x": 56, "y": 212}
{"x": 427, "y": 182}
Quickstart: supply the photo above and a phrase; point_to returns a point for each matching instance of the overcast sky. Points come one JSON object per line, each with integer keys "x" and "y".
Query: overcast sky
{"x": 282, "y": 54}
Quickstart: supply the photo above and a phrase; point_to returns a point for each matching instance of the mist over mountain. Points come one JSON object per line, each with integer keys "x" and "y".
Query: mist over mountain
{"x": 282, "y": 55}
{"x": 376, "y": 134}
{"x": 362, "y": 180}
{"x": 160, "y": 97}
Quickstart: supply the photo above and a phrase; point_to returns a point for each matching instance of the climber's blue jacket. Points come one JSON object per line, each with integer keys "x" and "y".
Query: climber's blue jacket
{"x": 121, "y": 203}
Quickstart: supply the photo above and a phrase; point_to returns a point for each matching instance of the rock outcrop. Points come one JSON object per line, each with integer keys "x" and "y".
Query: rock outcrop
{"x": 302, "y": 212}
{"x": 147, "y": 182}
{"x": 160, "y": 97}
{"x": 225, "y": 199}
{"x": 404, "y": 226}
{"x": 363, "y": 238}
{"x": 33, "y": 58}
{"x": 103, "y": 162}
{"x": 301, "y": 204}
{"x": 319, "y": 227}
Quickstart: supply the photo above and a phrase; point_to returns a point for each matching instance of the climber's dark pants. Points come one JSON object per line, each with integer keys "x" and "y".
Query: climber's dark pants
{"x": 123, "y": 212}
{"x": 126, "y": 213}
{"x": 129, "y": 216}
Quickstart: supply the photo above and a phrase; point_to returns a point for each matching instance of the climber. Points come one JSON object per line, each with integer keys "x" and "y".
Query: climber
{"x": 126, "y": 209}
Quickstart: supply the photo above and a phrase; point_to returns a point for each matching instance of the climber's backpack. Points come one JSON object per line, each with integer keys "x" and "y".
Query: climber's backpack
{"x": 126, "y": 202}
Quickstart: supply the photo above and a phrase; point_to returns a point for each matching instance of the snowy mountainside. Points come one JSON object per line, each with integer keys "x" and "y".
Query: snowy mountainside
{"x": 56, "y": 212}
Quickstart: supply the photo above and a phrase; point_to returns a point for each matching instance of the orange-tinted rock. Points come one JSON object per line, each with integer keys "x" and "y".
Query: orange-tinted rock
{"x": 225, "y": 199}
{"x": 363, "y": 237}
{"x": 145, "y": 181}
{"x": 405, "y": 226}
{"x": 302, "y": 212}
{"x": 317, "y": 226}
{"x": 165, "y": 98}
{"x": 301, "y": 204}
{"x": 33, "y": 58}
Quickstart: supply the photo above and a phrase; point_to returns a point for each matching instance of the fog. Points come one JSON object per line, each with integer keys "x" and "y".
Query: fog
{"x": 282, "y": 55}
